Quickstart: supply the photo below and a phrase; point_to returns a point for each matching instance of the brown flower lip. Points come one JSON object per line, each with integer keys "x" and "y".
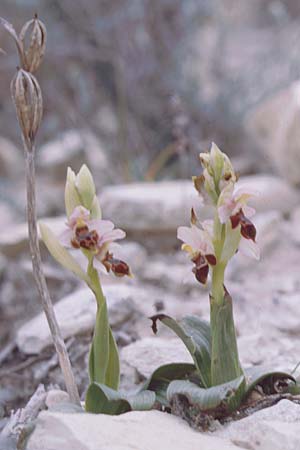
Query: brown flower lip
{"x": 248, "y": 230}
{"x": 117, "y": 266}
{"x": 85, "y": 238}
{"x": 201, "y": 268}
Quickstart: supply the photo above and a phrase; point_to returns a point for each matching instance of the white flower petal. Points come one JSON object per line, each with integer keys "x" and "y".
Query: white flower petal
{"x": 208, "y": 226}
{"x": 244, "y": 192}
{"x": 101, "y": 226}
{"x": 80, "y": 212}
{"x": 65, "y": 238}
{"x": 186, "y": 235}
{"x": 112, "y": 236}
{"x": 224, "y": 213}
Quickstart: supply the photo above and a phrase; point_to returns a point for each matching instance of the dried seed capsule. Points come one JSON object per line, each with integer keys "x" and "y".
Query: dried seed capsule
{"x": 27, "y": 96}
{"x": 33, "y": 55}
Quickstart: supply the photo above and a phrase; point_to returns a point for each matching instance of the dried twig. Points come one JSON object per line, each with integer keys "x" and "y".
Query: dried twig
{"x": 19, "y": 422}
{"x": 27, "y": 97}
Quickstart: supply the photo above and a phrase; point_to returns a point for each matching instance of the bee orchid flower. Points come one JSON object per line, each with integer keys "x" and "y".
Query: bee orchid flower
{"x": 197, "y": 242}
{"x": 94, "y": 235}
{"x": 232, "y": 206}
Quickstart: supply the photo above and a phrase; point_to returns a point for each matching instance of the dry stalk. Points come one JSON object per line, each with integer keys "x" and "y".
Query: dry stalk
{"x": 27, "y": 97}
{"x": 39, "y": 276}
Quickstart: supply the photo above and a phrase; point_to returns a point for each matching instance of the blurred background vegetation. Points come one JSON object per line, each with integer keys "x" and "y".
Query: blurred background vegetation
{"x": 154, "y": 81}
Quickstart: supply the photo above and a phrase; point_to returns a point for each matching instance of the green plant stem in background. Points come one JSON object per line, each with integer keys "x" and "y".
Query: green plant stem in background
{"x": 104, "y": 365}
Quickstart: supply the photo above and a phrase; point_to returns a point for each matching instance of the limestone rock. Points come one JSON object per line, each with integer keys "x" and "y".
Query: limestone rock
{"x": 275, "y": 194}
{"x": 11, "y": 159}
{"x": 274, "y": 428}
{"x": 147, "y": 354}
{"x": 73, "y": 148}
{"x": 146, "y": 430}
{"x": 55, "y": 397}
{"x": 14, "y": 239}
{"x": 160, "y": 207}
{"x": 76, "y": 315}
{"x": 275, "y": 125}
{"x": 133, "y": 253}
{"x": 152, "y": 207}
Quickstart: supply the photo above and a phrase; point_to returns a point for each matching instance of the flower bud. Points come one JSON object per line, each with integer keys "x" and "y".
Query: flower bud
{"x": 27, "y": 96}
{"x": 80, "y": 190}
{"x": 72, "y": 198}
{"x": 216, "y": 161}
{"x": 33, "y": 55}
{"x": 85, "y": 186}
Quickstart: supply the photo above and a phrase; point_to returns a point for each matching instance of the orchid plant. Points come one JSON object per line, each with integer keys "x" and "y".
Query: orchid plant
{"x": 88, "y": 233}
{"x": 215, "y": 383}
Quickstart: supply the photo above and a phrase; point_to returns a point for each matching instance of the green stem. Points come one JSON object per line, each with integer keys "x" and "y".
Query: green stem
{"x": 225, "y": 365}
{"x": 104, "y": 365}
{"x": 95, "y": 284}
{"x": 217, "y": 288}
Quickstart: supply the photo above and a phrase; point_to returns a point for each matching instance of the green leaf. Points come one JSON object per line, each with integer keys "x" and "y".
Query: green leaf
{"x": 141, "y": 401}
{"x": 225, "y": 365}
{"x": 222, "y": 398}
{"x": 195, "y": 334}
{"x": 99, "y": 352}
{"x": 85, "y": 186}
{"x": 60, "y": 253}
{"x": 161, "y": 377}
{"x": 101, "y": 399}
{"x": 104, "y": 364}
{"x": 112, "y": 377}
{"x": 272, "y": 381}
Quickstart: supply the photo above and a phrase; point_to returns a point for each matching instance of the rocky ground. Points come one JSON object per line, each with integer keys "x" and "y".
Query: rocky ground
{"x": 266, "y": 304}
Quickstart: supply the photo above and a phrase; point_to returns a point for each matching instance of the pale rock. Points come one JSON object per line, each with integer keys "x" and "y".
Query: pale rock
{"x": 76, "y": 315}
{"x": 55, "y": 397}
{"x": 11, "y": 159}
{"x": 274, "y": 194}
{"x": 149, "y": 207}
{"x": 268, "y": 348}
{"x": 7, "y": 214}
{"x": 146, "y": 355}
{"x": 171, "y": 275}
{"x": 14, "y": 239}
{"x": 289, "y": 310}
{"x": 138, "y": 430}
{"x": 73, "y": 148}
{"x": 275, "y": 125}
{"x": 269, "y": 229}
{"x": 273, "y": 428}
{"x": 133, "y": 253}
{"x": 157, "y": 209}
